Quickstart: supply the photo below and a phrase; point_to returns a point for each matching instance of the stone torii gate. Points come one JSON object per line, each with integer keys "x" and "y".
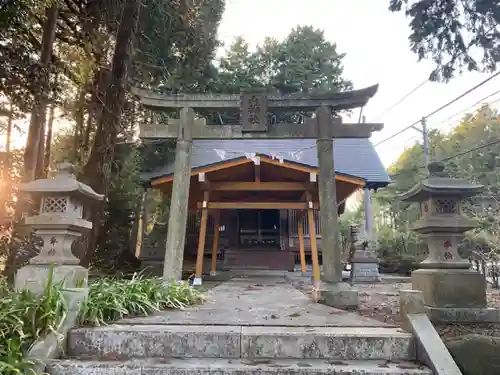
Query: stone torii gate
{"x": 254, "y": 107}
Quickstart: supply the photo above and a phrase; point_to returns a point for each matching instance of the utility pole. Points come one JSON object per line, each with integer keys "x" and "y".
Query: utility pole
{"x": 426, "y": 142}
{"x": 425, "y": 135}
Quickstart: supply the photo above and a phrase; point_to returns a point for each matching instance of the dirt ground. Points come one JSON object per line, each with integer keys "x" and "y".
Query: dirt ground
{"x": 381, "y": 302}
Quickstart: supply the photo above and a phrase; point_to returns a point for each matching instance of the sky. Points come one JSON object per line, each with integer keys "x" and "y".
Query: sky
{"x": 377, "y": 51}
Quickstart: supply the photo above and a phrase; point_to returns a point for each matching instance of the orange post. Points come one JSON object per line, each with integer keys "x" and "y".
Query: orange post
{"x": 201, "y": 240}
{"x": 312, "y": 237}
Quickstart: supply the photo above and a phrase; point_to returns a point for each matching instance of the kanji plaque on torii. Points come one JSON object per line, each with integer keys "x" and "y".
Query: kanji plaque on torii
{"x": 255, "y": 110}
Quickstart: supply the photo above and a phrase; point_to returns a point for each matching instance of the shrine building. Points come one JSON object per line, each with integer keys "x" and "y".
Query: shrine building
{"x": 253, "y": 200}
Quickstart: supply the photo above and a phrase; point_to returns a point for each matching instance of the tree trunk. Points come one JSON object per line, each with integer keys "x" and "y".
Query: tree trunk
{"x": 98, "y": 93}
{"x": 33, "y": 164}
{"x": 50, "y": 124}
{"x": 8, "y": 135}
{"x": 79, "y": 119}
{"x": 97, "y": 170}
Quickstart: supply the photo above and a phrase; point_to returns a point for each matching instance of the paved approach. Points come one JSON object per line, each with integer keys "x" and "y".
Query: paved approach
{"x": 258, "y": 301}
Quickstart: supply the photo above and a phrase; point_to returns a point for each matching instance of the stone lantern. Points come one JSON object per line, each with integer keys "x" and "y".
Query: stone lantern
{"x": 59, "y": 223}
{"x": 445, "y": 278}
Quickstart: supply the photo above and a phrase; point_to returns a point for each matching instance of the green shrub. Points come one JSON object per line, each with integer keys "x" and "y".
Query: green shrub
{"x": 24, "y": 317}
{"x": 110, "y": 299}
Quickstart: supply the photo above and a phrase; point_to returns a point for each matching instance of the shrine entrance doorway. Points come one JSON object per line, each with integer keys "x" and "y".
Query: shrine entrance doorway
{"x": 259, "y": 229}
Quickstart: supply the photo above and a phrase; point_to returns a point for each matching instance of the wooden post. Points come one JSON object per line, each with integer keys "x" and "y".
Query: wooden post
{"x": 177, "y": 221}
{"x": 301, "y": 245}
{"x": 312, "y": 237}
{"x": 215, "y": 243}
{"x": 201, "y": 240}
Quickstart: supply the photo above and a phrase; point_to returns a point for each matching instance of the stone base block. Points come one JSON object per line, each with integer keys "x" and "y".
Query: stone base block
{"x": 463, "y": 315}
{"x": 34, "y": 277}
{"x": 339, "y": 295}
{"x": 222, "y": 366}
{"x": 161, "y": 341}
{"x": 365, "y": 273}
{"x": 334, "y": 343}
{"x": 450, "y": 287}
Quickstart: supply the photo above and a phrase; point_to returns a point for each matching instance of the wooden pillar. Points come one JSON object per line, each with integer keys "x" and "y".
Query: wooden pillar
{"x": 177, "y": 221}
{"x": 201, "y": 240}
{"x": 300, "y": 231}
{"x": 215, "y": 243}
{"x": 312, "y": 237}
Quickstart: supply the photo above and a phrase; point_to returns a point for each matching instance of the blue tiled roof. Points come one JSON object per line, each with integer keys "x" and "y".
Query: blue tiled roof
{"x": 353, "y": 156}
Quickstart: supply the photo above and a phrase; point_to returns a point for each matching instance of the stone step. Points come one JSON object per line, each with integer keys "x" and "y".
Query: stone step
{"x": 205, "y": 366}
{"x": 122, "y": 342}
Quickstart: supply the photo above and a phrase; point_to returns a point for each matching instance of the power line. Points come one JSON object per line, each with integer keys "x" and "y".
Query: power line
{"x": 441, "y": 108}
{"x": 401, "y": 99}
{"x": 472, "y": 106}
{"x": 462, "y": 153}
{"x": 398, "y": 133}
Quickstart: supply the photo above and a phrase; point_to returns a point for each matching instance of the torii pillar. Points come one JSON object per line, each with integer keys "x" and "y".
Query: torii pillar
{"x": 334, "y": 292}
{"x": 176, "y": 234}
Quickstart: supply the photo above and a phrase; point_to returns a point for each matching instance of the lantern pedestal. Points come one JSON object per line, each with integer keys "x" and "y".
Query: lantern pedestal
{"x": 448, "y": 288}
{"x": 58, "y": 232}
{"x": 34, "y": 277}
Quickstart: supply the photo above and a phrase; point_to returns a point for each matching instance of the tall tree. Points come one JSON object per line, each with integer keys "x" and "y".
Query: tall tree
{"x": 97, "y": 171}
{"x": 303, "y": 62}
{"x": 455, "y": 34}
{"x": 33, "y": 154}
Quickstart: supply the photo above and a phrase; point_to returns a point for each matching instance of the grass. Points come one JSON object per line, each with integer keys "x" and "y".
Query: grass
{"x": 112, "y": 298}
{"x": 25, "y": 317}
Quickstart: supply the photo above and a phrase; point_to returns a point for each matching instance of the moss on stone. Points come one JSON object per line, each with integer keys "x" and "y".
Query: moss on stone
{"x": 476, "y": 354}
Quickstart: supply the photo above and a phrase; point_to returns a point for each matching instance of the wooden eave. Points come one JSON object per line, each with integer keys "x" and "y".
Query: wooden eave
{"x": 243, "y": 184}
{"x": 264, "y": 159}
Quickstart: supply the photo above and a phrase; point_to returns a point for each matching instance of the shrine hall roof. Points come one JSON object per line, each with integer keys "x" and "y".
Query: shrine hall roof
{"x": 354, "y": 157}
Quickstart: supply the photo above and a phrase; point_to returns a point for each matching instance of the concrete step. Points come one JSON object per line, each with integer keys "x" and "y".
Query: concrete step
{"x": 205, "y": 366}
{"x": 122, "y": 342}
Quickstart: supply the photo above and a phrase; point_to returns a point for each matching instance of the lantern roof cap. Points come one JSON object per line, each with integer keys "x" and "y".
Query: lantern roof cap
{"x": 439, "y": 183}
{"x": 64, "y": 182}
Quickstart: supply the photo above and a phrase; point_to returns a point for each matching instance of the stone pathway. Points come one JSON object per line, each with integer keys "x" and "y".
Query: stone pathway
{"x": 259, "y": 301}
